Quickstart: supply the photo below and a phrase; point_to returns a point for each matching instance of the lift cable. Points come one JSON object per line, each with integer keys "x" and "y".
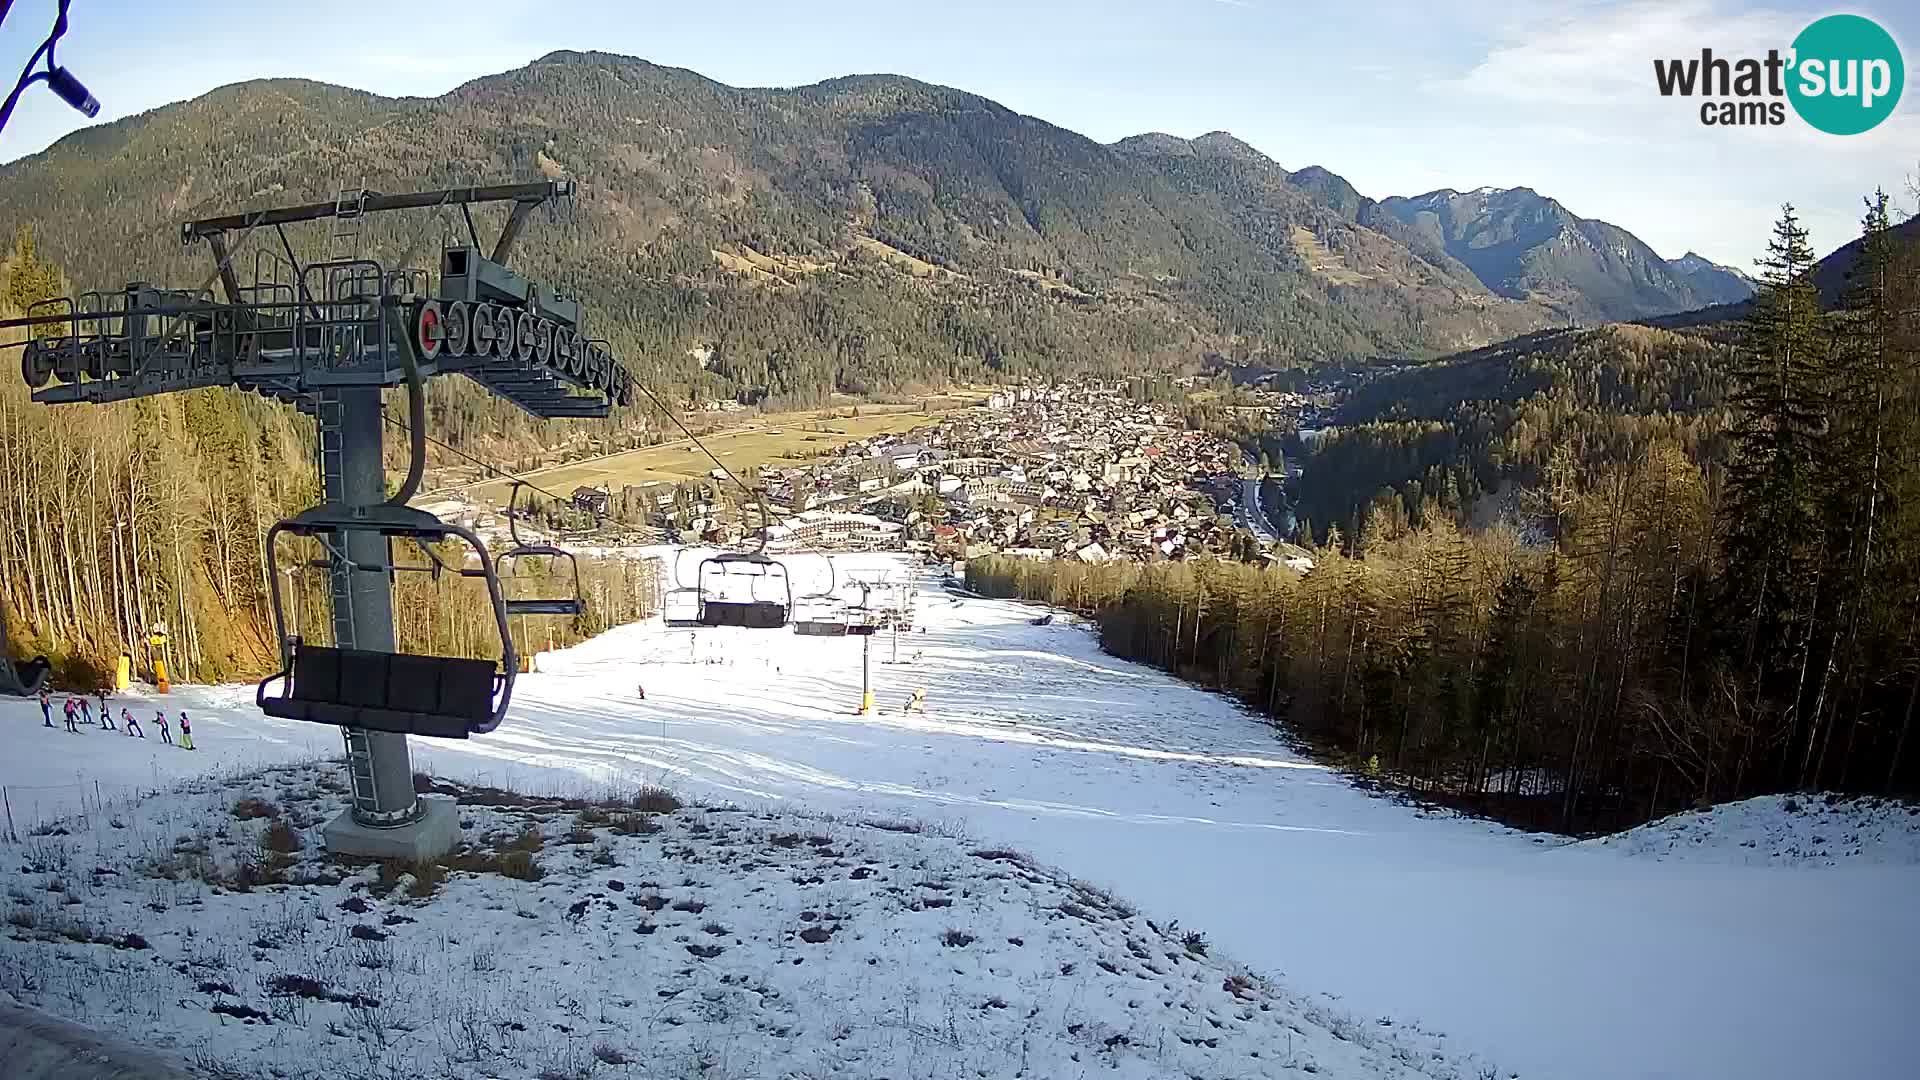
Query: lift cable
{"x": 765, "y": 514}
{"x": 491, "y": 468}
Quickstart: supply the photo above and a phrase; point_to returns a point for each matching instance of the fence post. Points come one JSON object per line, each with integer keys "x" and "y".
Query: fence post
{"x": 11, "y": 835}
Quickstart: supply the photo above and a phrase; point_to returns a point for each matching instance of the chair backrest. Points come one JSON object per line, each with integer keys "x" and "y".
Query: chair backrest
{"x": 378, "y": 682}
{"x": 570, "y": 605}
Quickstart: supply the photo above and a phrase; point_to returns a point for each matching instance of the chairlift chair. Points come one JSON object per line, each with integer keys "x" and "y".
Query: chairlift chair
{"x": 442, "y": 697}
{"x": 808, "y": 617}
{"x": 862, "y": 619}
{"x": 752, "y": 612}
{"x": 831, "y": 591}
{"x": 570, "y": 605}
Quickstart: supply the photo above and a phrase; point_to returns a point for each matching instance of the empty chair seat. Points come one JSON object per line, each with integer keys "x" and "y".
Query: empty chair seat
{"x": 543, "y": 607}
{"x": 758, "y": 615}
{"x": 437, "y": 696}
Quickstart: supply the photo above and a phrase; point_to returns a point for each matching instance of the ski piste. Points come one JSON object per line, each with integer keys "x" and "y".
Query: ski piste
{"x": 1780, "y": 955}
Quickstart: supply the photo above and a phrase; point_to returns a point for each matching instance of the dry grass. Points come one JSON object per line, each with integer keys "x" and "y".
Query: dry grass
{"x": 517, "y": 864}
{"x": 1100, "y": 899}
{"x": 784, "y": 439}
{"x": 634, "y": 824}
{"x": 654, "y": 800}
{"x": 427, "y": 879}
{"x": 888, "y": 253}
{"x": 591, "y": 810}
{"x": 521, "y": 866}
{"x": 282, "y": 838}
{"x": 252, "y": 808}
{"x": 1323, "y": 262}
{"x": 609, "y": 1054}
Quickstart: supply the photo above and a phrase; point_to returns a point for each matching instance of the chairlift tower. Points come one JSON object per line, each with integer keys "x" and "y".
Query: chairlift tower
{"x": 328, "y": 337}
{"x": 861, "y": 621}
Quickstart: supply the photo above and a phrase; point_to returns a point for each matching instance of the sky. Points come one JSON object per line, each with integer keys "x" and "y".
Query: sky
{"x": 1399, "y": 96}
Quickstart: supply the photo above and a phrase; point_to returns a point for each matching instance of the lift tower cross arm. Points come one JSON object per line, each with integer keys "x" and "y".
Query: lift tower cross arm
{"x": 335, "y": 323}
{"x": 524, "y": 196}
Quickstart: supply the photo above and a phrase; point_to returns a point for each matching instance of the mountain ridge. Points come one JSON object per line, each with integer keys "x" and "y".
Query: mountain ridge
{"x": 855, "y": 234}
{"x": 1514, "y": 241}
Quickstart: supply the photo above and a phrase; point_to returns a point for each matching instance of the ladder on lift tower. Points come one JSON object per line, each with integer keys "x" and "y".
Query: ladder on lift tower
{"x": 343, "y": 245}
{"x": 349, "y": 208}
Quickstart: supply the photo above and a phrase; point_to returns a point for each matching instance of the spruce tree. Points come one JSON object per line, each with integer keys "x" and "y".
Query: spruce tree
{"x": 1770, "y": 535}
{"x": 1869, "y": 468}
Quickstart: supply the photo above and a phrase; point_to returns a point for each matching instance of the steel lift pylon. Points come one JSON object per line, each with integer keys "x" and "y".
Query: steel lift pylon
{"x": 328, "y": 337}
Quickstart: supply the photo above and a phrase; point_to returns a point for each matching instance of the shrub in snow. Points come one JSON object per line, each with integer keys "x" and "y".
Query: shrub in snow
{"x": 655, "y": 800}
{"x": 281, "y": 837}
{"x": 252, "y": 807}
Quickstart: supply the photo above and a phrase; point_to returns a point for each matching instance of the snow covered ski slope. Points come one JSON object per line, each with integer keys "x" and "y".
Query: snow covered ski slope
{"x": 1630, "y": 959}
{"x": 670, "y": 944}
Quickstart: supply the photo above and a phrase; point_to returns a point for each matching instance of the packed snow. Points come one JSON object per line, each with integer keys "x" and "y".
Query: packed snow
{"x": 1649, "y": 956}
{"x": 1782, "y": 830}
{"x": 709, "y": 943}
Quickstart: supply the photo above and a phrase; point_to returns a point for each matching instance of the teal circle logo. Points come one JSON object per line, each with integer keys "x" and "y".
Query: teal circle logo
{"x": 1846, "y": 75}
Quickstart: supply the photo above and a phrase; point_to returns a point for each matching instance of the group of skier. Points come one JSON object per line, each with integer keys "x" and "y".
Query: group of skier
{"x": 78, "y": 710}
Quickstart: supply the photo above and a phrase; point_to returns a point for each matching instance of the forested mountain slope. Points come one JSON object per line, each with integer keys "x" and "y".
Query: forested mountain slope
{"x": 862, "y": 234}
{"x": 1539, "y": 412}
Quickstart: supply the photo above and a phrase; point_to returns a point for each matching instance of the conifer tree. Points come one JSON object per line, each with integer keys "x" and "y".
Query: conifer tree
{"x": 1770, "y": 540}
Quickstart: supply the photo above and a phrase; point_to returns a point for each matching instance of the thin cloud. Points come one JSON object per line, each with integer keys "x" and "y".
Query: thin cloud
{"x": 1604, "y": 56}
{"x": 1567, "y": 96}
